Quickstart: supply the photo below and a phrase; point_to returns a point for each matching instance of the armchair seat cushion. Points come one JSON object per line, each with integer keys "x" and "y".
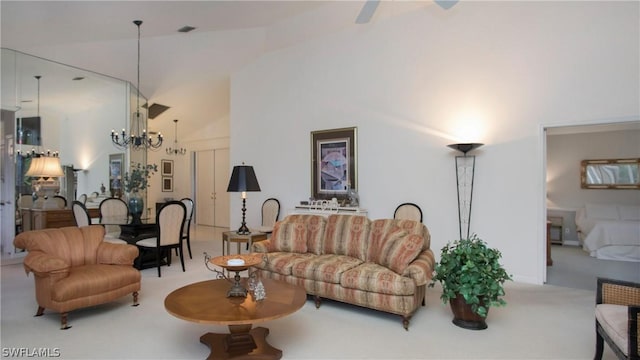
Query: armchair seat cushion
{"x": 614, "y": 320}
{"x": 378, "y": 279}
{"x": 327, "y": 268}
{"x": 102, "y": 279}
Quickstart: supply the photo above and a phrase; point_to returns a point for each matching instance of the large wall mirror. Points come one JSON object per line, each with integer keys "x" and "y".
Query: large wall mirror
{"x": 610, "y": 174}
{"x": 70, "y": 110}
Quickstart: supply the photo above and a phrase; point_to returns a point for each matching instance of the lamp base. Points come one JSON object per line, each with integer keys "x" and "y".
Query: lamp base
{"x": 243, "y": 230}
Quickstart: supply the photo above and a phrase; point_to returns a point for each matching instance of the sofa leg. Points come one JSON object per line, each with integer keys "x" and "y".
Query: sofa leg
{"x": 424, "y": 302}
{"x": 40, "y": 311}
{"x": 317, "y": 300}
{"x": 63, "y": 321}
{"x": 135, "y": 299}
{"x": 405, "y": 322}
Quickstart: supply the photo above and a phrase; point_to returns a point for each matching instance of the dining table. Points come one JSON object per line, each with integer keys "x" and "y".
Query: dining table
{"x": 132, "y": 232}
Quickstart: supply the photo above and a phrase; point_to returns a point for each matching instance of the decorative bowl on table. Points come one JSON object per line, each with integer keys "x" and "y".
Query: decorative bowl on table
{"x": 237, "y": 262}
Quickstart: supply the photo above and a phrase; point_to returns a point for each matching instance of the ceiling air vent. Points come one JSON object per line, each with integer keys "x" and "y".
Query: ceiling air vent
{"x": 157, "y": 109}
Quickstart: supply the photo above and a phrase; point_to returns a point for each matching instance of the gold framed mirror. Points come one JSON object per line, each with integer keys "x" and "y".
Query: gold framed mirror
{"x": 610, "y": 174}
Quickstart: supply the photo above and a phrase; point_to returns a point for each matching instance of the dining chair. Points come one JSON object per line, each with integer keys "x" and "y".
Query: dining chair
{"x": 80, "y": 214}
{"x": 186, "y": 235}
{"x": 113, "y": 208}
{"x": 82, "y": 217}
{"x": 60, "y": 201}
{"x": 270, "y": 215}
{"x": 170, "y": 221}
{"x": 408, "y": 211}
{"x": 83, "y": 198}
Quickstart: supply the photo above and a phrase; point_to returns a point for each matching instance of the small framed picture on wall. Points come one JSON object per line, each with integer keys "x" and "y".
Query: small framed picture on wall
{"x": 167, "y": 183}
{"x": 166, "y": 167}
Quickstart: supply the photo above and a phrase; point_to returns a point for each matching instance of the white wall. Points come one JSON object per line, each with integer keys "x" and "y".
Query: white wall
{"x": 492, "y": 72}
{"x": 564, "y": 154}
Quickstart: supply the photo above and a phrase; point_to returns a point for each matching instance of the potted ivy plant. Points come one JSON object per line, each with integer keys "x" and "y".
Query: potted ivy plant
{"x": 472, "y": 280}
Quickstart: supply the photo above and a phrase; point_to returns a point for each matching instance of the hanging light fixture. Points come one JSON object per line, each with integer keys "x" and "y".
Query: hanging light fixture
{"x": 176, "y": 150}
{"x": 34, "y": 153}
{"x": 137, "y": 139}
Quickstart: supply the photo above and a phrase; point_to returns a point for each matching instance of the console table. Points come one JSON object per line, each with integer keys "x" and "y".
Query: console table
{"x": 37, "y": 219}
{"x": 342, "y": 210}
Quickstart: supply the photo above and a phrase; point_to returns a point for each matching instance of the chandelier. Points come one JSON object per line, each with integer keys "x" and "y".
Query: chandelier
{"x": 138, "y": 139}
{"x": 35, "y": 153}
{"x": 176, "y": 150}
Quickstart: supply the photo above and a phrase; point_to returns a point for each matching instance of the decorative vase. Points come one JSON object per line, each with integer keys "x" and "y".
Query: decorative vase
{"x": 463, "y": 315}
{"x": 136, "y": 206}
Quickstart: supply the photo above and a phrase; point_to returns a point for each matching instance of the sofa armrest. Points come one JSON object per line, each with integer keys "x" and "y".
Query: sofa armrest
{"x": 421, "y": 268}
{"x": 116, "y": 254}
{"x": 261, "y": 246}
{"x": 43, "y": 264}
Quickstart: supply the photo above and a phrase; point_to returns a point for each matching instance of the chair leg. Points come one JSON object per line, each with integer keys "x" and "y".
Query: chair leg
{"x": 40, "y": 311}
{"x": 182, "y": 258}
{"x": 599, "y": 345}
{"x": 189, "y": 246}
{"x": 158, "y": 261}
{"x": 135, "y": 299}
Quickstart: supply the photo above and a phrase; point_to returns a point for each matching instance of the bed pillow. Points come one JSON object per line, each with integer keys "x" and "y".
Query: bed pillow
{"x": 629, "y": 212}
{"x": 602, "y": 212}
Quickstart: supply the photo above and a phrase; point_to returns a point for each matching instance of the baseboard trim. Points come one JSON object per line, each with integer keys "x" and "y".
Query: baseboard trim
{"x": 571, "y": 242}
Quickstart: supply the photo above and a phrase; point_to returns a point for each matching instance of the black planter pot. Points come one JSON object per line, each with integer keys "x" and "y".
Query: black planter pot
{"x": 464, "y": 317}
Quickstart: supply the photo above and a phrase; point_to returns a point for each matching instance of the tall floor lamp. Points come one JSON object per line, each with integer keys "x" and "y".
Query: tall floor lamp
{"x": 243, "y": 179}
{"x": 465, "y": 168}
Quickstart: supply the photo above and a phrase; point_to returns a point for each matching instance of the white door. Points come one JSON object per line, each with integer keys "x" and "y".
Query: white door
{"x": 212, "y": 177}
{"x": 221, "y": 182}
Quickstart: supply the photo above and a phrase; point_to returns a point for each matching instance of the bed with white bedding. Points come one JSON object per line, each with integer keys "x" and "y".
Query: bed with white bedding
{"x": 610, "y": 231}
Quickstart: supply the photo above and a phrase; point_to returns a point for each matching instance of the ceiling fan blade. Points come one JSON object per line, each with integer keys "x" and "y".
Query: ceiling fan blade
{"x": 368, "y": 9}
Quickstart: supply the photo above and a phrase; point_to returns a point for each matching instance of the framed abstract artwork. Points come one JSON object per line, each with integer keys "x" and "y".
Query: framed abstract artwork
{"x": 333, "y": 163}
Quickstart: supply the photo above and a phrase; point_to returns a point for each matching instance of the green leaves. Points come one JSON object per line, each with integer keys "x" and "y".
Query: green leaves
{"x": 139, "y": 177}
{"x": 470, "y": 268}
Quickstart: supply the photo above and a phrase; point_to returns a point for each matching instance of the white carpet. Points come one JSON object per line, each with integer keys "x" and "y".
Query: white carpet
{"x": 539, "y": 322}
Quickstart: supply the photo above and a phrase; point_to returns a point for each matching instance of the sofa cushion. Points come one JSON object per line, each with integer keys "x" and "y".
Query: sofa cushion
{"x": 614, "y": 320}
{"x": 289, "y": 237}
{"x": 376, "y": 278}
{"x": 346, "y": 235}
{"x": 417, "y": 228}
{"x": 401, "y": 251}
{"x": 282, "y": 262}
{"x": 327, "y": 268}
{"x": 315, "y": 230}
{"x": 379, "y": 245}
{"x": 102, "y": 279}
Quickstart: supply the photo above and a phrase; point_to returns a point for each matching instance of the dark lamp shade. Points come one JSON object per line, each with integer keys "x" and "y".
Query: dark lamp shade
{"x": 465, "y": 147}
{"x": 243, "y": 178}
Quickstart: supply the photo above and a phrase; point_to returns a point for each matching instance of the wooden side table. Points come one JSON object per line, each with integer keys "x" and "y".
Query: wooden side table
{"x": 232, "y": 236}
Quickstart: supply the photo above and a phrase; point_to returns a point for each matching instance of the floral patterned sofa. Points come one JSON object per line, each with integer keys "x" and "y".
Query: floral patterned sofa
{"x": 379, "y": 264}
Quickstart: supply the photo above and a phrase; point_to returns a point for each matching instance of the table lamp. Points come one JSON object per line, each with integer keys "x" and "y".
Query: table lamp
{"x": 243, "y": 179}
{"x": 47, "y": 169}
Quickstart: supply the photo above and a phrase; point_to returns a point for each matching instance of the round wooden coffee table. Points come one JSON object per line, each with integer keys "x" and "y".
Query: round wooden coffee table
{"x": 206, "y": 302}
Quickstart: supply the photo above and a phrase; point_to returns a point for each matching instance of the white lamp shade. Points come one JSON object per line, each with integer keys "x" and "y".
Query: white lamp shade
{"x": 45, "y": 166}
